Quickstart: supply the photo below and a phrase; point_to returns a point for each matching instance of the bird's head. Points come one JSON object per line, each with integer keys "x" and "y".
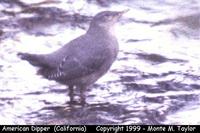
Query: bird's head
{"x": 107, "y": 19}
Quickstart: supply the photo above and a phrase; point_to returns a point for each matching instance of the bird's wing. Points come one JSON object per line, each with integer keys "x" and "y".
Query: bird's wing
{"x": 72, "y": 67}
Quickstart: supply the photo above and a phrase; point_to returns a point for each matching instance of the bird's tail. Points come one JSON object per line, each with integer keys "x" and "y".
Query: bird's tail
{"x": 33, "y": 59}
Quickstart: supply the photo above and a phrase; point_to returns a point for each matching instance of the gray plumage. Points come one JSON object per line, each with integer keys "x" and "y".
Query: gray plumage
{"x": 85, "y": 59}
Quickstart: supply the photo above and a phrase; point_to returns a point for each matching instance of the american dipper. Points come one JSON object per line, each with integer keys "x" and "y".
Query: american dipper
{"x": 83, "y": 60}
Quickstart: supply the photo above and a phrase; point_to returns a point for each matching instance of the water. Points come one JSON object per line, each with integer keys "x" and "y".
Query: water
{"x": 155, "y": 80}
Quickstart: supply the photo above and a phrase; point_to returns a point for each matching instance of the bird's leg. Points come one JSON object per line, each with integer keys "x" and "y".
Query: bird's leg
{"x": 71, "y": 93}
{"x": 82, "y": 95}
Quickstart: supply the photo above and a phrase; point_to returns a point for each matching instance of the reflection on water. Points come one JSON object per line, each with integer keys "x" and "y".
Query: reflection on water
{"x": 154, "y": 81}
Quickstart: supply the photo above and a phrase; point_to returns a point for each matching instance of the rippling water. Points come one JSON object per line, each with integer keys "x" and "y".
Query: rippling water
{"x": 155, "y": 80}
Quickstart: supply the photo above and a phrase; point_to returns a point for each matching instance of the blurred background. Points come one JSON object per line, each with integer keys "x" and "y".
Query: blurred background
{"x": 155, "y": 80}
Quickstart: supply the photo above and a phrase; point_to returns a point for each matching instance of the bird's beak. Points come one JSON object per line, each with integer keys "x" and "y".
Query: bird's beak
{"x": 115, "y": 16}
{"x": 120, "y": 13}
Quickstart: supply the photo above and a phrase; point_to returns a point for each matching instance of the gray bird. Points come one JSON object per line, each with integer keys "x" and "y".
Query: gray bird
{"x": 82, "y": 61}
